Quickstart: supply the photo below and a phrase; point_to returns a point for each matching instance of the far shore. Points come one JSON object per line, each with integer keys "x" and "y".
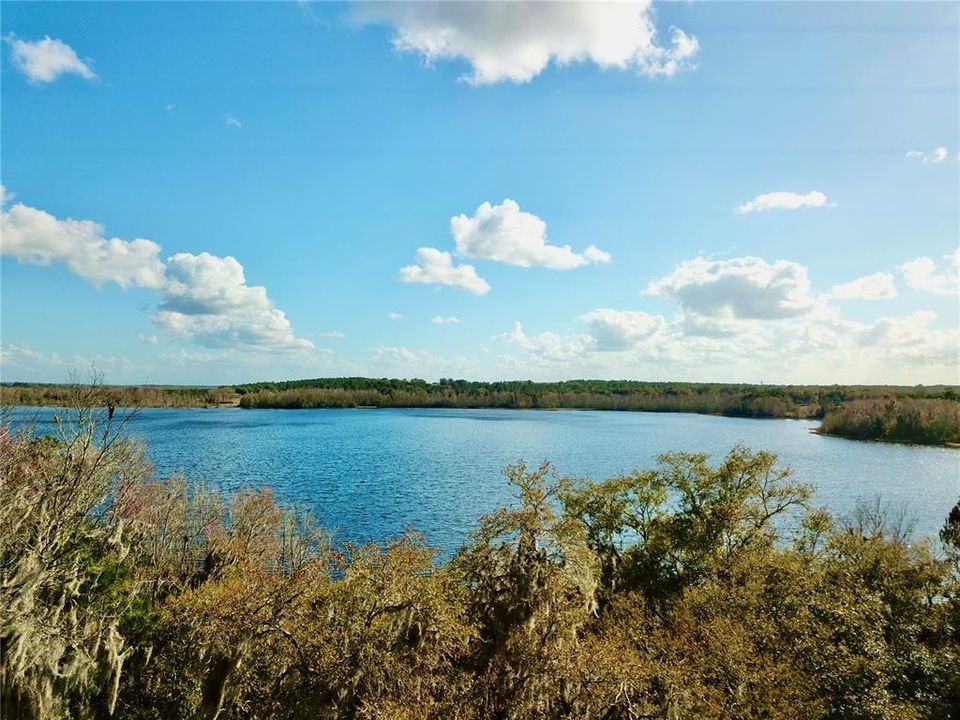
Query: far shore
{"x": 235, "y": 404}
{"x": 923, "y": 415}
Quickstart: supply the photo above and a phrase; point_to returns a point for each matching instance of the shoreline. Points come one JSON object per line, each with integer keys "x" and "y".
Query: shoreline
{"x": 928, "y": 416}
{"x": 887, "y": 441}
{"x": 237, "y": 406}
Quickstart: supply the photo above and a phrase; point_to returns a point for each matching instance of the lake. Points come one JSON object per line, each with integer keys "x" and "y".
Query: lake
{"x": 368, "y": 474}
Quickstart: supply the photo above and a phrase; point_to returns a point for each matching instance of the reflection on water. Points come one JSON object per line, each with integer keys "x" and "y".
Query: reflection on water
{"x": 371, "y": 473}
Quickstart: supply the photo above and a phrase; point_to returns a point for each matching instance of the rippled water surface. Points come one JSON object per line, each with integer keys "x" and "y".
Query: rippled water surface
{"x": 370, "y": 473}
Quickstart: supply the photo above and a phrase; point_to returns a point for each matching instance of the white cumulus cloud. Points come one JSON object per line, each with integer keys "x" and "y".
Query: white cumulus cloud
{"x": 782, "y": 200}
{"x": 203, "y": 298}
{"x": 621, "y": 329}
{"x": 922, "y": 273}
{"x": 879, "y": 286}
{"x": 820, "y": 346}
{"x": 893, "y": 331}
{"x": 507, "y": 234}
{"x": 37, "y": 237}
{"x": 206, "y": 300}
{"x": 739, "y": 288}
{"x": 43, "y": 61}
{"x": 435, "y": 267}
{"x": 613, "y": 333}
{"x": 516, "y": 41}
{"x": 549, "y": 346}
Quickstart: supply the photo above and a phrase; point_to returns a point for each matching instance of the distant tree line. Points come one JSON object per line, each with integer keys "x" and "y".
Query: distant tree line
{"x": 60, "y": 395}
{"x": 924, "y": 414}
{"x": 797, "y": 401}
{"x": 688, "y": 590}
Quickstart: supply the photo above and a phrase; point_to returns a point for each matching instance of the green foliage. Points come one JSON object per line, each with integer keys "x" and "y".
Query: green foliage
{"x": 532, "y": 582}
{"x": 50, "y": 395}
{"x": 662, "y": 530}
{"x": 927, "y": 422}
{"x": 689, "y": 590}
{"x": 796, "y": 401}
{"x": 738, "y": 400}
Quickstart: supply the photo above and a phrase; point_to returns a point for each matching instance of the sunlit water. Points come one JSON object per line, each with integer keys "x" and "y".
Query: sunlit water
{"x": 368, "y": 474}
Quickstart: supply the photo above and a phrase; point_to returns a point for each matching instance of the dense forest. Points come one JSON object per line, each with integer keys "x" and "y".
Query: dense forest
{"x": 698, "y": 588}
{"x": 796, "y": 401}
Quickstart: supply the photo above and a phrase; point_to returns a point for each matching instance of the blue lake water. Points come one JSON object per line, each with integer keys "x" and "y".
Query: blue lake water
{"x": 368, "y": 474}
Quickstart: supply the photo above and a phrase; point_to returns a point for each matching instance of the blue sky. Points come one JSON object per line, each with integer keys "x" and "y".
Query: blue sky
{"x": 769, "y": 191}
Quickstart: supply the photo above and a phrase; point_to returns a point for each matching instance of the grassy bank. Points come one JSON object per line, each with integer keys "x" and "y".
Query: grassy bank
{"x": 665, "y": 593}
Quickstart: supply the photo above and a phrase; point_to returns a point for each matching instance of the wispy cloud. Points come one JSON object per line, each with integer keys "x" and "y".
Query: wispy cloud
{"x": 879, "y": 286}
{"x": 444, "y": 320}
{"x": 935, "y": 156}
{"x": 232, "y": 121}
{"x": 402, "y": 361}
{"x": 39, "y": 366}
{"x": 782, "y": 200}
